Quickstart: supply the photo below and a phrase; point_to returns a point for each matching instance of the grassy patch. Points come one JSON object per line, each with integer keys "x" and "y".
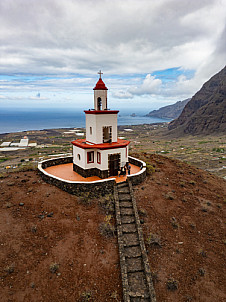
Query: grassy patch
{"x": 3, "y": 159}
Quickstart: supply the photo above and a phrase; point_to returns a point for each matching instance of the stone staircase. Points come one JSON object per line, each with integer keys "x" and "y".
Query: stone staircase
{"x": 135, "y": 271}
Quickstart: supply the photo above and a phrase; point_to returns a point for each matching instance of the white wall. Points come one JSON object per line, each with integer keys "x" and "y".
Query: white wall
{"x": 104, "y": 157}
{"x": 83, "y": 159}
{"x": 91, "y": 122}
{"x": 97, "y": 122}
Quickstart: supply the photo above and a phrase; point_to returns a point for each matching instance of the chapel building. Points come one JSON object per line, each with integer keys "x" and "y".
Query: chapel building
{"x": 101, "y": 154}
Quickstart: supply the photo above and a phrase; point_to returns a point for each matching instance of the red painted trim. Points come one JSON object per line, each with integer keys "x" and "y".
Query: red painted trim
{"x": 101, "y": 111}
{"x": 98, "y": 157}
{"x": 90, "y": 162}
{"x": 81, "y": 143}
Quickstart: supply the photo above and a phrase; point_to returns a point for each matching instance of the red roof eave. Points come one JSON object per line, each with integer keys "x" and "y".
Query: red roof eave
{"x": 81, "y": 143}
{"x": 101, "y": 111}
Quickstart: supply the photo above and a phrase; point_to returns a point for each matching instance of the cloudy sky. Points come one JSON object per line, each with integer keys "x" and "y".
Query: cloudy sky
{"x": 152, "y": 52}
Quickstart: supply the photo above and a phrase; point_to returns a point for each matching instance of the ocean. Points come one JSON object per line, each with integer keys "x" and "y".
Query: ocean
{"x": 15, "y": 120}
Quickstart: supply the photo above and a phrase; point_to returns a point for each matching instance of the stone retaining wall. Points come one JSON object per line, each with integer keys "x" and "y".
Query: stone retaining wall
{"x": 140, "y": 176}
{"x": 95, "y": 188}
{"x": 56, "y": 161}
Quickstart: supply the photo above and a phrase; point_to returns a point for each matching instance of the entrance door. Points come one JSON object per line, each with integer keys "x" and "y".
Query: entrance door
{"x": 113, "y": 164}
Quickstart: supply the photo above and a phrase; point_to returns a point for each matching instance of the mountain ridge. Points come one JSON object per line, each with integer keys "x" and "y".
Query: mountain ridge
{"x": 205, "y": 113}
{"x": 170, "y": 111}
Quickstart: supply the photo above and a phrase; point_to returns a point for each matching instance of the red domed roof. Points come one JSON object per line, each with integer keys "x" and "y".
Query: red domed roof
{"x": 100, "y": 85}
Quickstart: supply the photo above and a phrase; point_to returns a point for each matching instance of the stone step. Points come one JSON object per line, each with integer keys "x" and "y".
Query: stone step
{"x": 125, "y": 204}
{"x": 124, "y": 193}
{"x": 125, "y": 198}
{"x": 129, "y": 228}
{"x": 126, "y": 212}
{"x": 122, "y": 185}
{"x": 132, "y": 252}
{"x": 134, "y": 265}
{"x": 130, "y": 239}
{"x": 123, "y": 190}
{"x": 138, "y": 284}
{"x": 127, "y": 219}
{"x": 135, "y": 297}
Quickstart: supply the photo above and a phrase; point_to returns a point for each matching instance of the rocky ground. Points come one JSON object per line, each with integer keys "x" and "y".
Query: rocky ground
{"x": 52, "y": 248}
{"x": 183, "y": 210}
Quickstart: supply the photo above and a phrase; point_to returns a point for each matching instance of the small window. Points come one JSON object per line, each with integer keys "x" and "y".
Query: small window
{"x": 90, "y": 130}
{"x": 98, "y": 157}
{"x": 107, "y": 134}
{"x": 90, "y": 157}
{"x": 79, "y": 156}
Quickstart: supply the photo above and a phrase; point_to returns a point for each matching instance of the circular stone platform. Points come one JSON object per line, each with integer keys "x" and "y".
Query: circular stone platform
{"x": 59, "y": 172}
{"x": 65, "y": 171}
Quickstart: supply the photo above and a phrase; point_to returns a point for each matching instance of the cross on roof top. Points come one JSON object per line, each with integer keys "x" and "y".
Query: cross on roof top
{"x": 100, "y": 73}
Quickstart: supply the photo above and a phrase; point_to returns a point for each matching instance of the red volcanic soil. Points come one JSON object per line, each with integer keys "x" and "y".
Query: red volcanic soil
{"x": 183, "y": 207}
{"x": 40, "y": 225}
{"x": 30, "y": 242}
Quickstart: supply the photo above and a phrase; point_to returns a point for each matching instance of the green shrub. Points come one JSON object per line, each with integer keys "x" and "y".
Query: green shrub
{"x": 220, "y": 150}
{"x": 150, "y": 169}
{"x": 107, "y": 228}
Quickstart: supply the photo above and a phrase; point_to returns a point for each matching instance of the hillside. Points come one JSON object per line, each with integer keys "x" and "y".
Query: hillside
{"x": 205, "y": 113}
{"x": 52, "y": 248}
{"x": 170, "y": 111}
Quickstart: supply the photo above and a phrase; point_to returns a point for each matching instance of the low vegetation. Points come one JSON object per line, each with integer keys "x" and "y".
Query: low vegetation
{"x": 154, "y": 240}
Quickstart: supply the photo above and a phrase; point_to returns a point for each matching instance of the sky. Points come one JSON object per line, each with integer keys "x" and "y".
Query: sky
{"x": 152, "y": 52}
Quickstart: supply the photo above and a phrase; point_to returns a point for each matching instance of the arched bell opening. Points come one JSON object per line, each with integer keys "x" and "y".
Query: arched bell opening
{"x": 99, "y": 103}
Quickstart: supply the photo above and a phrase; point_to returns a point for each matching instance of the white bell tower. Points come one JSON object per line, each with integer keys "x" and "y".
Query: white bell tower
{"x": 101, "y": 123}
{"x": 100, "y": 94}
{"x": 101, "y": 153}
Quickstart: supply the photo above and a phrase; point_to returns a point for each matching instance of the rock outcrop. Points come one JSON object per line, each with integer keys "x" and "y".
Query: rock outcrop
{"x": 205, "y": 113}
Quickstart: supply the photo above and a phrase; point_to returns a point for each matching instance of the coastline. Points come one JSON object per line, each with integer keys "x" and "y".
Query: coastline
{"x": 120, "y": 127}
{"x": 12, "y": 121}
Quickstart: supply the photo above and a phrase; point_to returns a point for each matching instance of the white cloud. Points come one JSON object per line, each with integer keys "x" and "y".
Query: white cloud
{"x": 55, "y": 37}
{"x": 150, "y": 85}
{"x": 122, "y": 94}
{"x": 79, "y": 36}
